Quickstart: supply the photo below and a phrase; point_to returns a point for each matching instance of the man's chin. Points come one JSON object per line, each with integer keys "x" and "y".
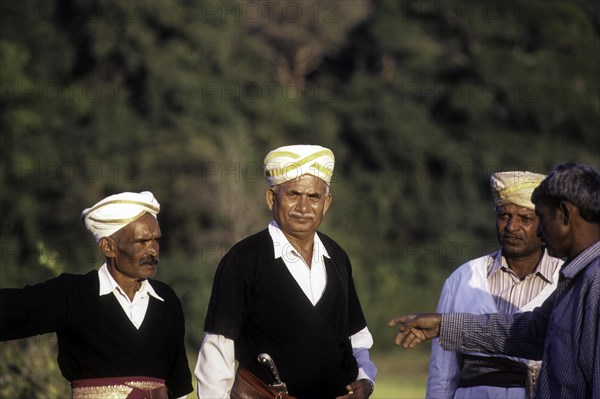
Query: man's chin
{"x": 149, "y": 270}
{"x": 303, "y": 225}
{"x": 512, "y": 250}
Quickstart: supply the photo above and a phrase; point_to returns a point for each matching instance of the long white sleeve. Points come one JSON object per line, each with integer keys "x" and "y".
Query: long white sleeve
{"x": 215, "y": 369}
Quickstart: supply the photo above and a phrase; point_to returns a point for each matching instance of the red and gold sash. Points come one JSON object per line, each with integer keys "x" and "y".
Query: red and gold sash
{"x": 119, "y": 388}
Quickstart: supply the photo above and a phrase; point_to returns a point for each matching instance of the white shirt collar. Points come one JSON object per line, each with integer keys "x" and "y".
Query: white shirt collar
{"x": 283, "y": 248}
{"x": 109, "y": 285}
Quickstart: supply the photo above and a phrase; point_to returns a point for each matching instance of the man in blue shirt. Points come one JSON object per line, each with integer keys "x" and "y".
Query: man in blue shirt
{"x": 565, "y": 331}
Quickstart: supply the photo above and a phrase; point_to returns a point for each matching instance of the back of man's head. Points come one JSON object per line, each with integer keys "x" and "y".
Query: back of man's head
{"x": 576, "y": 183}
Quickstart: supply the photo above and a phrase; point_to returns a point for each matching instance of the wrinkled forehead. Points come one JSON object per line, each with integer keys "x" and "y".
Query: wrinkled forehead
{"x": 305, "y": 183}
{"x": 146, "y": 225}
{"x": 514, "y": 209}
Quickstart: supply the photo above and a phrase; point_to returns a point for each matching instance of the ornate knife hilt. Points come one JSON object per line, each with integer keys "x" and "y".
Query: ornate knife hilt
{"x": 269, "y": 363}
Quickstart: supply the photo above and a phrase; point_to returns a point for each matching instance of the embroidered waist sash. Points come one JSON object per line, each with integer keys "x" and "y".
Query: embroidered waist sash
{"x": 119, "y": 388}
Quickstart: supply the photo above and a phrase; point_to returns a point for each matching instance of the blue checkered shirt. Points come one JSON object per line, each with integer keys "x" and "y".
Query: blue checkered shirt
{"x": 564, "y": 332}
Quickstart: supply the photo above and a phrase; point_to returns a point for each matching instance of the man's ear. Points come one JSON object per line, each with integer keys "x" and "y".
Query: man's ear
{"x": 328, "y": 200}
{"x": 270, "y": 197}
{"x": 565, "y": 212}
{"x": 108, "y": 247}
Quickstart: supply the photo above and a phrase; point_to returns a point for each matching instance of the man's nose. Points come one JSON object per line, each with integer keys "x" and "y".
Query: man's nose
{"x": 511, "y": 225}
{"x": 302, "y": 204}
{"x": 154, "y": 248}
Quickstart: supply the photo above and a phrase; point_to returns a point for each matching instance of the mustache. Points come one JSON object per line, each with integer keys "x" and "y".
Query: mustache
{"x": 149, "y": 260}
{"x": 505, "y": 234}
{"x": 302, "y": 215}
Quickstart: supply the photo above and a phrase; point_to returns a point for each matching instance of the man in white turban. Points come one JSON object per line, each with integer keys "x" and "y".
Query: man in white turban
{"x": 117, "y": 211}
{"x": 120, "y": 334}
{"x": 288, "y": 291}
{"x": 518, "y": 277}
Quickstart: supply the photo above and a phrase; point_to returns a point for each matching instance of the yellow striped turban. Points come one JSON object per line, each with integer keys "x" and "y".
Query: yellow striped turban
{"x": 515, "y": 187}
{"x": 116, "y": 211}
{"x": 292, "y": 161}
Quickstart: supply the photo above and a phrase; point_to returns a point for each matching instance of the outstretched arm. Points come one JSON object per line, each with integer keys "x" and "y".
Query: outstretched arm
{"x": 36, "y": 309}
{"x": 516, "y": 334}
{"x": 416, "y": 328}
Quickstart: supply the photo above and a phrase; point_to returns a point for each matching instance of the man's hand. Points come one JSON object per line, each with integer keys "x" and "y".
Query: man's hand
{"x": 416, "y": 328}
{"x": 360, "y": 389}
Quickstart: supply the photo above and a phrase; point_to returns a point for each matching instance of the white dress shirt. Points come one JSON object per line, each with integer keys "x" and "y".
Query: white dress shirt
{"x": 134, "y": 309}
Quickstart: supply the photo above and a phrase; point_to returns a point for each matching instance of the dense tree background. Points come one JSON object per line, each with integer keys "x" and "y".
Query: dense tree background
{"x": 420, "y": 101}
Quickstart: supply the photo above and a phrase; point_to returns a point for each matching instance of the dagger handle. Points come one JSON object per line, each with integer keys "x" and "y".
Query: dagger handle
{"x": 266, "y": 360}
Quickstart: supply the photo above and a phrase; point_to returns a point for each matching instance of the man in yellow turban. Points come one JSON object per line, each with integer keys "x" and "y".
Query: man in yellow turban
{"x": 120, "y": 333}
{"x": 518, "y": 277}
{"x": 290, "y": 162}
{"x": 287, "y": 292}
{"x": 564, "y": 332}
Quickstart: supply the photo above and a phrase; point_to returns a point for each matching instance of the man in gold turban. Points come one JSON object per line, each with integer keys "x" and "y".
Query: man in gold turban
{"x": 287, "y": 291}
{"x": 564, "y": 331}
{"x": 120, "y": 333}
{"x": 516, "y": 278}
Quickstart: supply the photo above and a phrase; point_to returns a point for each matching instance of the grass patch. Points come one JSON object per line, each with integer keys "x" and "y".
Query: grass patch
{"x": 402, "y": 374}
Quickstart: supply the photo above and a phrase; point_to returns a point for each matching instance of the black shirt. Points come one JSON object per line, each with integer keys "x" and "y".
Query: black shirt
{"x": 96, "y": 339}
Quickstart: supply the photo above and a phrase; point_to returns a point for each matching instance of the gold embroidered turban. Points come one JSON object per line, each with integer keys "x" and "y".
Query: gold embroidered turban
{"x": 515, "y": 187}
{"x": 116, "y": 211}
{"x": 289, "y": 162}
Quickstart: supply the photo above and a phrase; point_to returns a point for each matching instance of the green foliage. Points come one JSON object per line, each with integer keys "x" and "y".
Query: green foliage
{"x": 28, "y": 369}
{"x": 420, "y": 101}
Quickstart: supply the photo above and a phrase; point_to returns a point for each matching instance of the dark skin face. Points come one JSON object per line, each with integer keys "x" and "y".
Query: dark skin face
{"x": 563, "y": 230}
{"x": 516, "y": 229}
{"x": 299, "y": 205}
{"x": 553, "y": 229}
{"x": 132, "y": 253}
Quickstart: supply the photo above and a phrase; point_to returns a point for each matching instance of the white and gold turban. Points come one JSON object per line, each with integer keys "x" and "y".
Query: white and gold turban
{"x": 292, "y": 161}
{"x": 515, "y": 187}
{"x": 116, "y": 211}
